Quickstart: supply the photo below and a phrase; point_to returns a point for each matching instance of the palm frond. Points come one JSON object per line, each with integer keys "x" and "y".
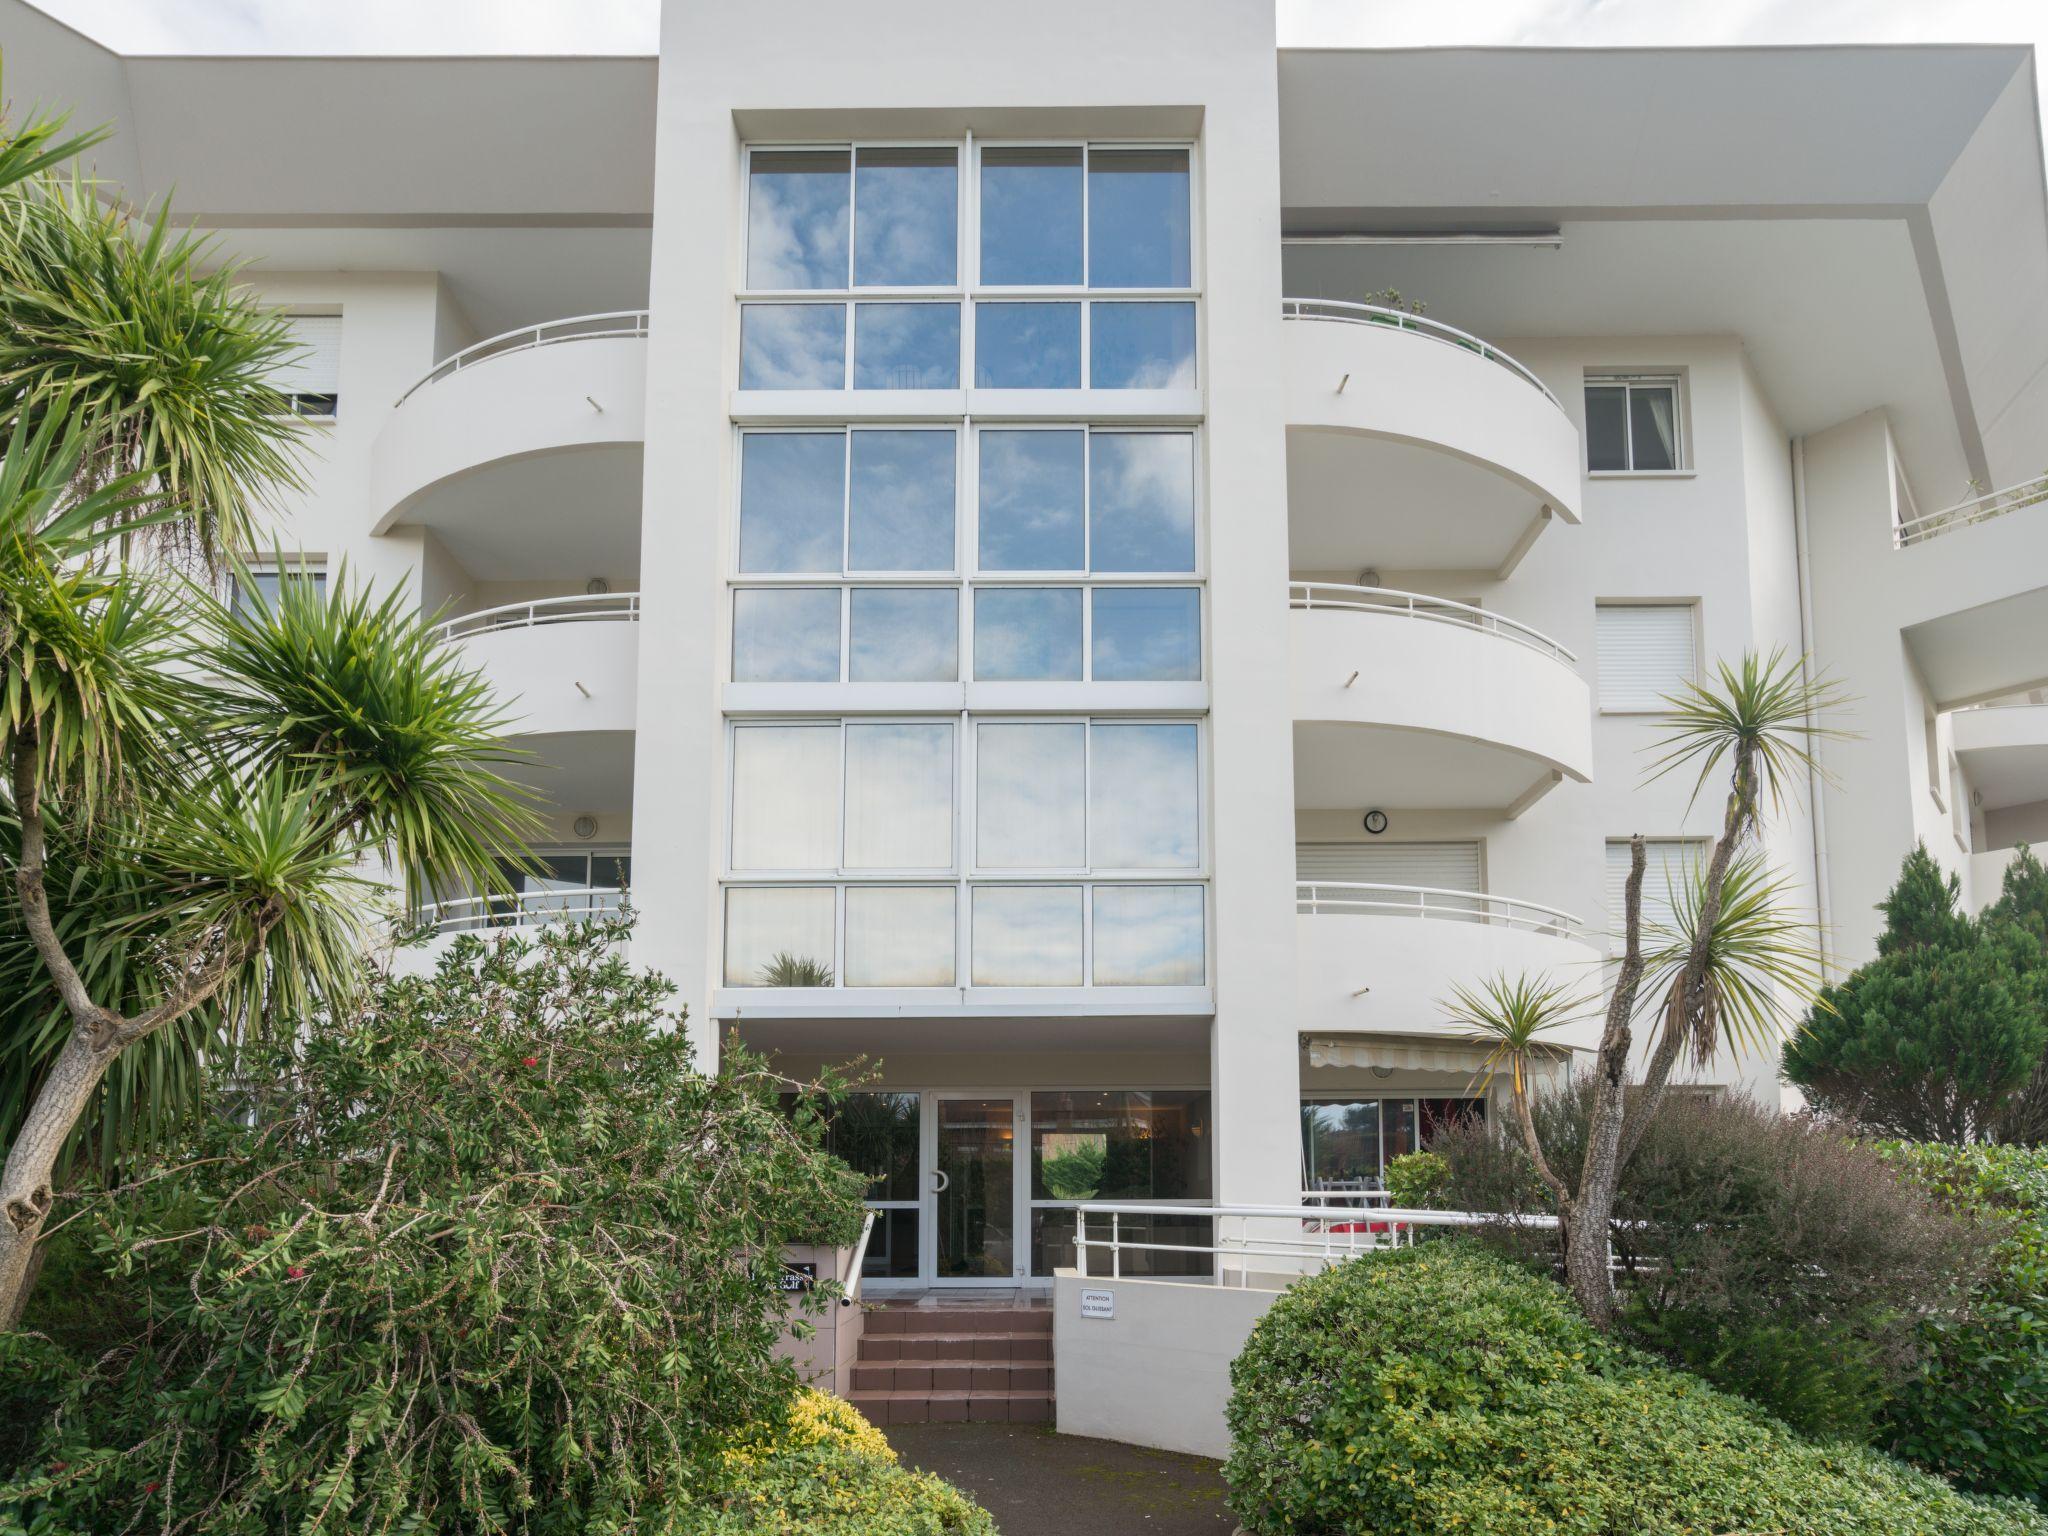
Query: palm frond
{"x": 32, "y": 147}
{"x": 1769, "y": 705}
{"x": 1512, "y": 1015}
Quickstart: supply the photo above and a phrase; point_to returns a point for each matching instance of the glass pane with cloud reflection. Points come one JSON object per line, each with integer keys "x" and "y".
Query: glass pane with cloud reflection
{"x": 906, "y": 346}
{"x": 779, "y": 936}
{"x": 785, "y": 635}
{"x": 908, "y": 234}
{"x": 1031, "y": 795}
{"x": 1027, "y": 634}
{"x": 792, "y": 501}
{"x": 1027, "y": 936}
{"x": 785, "y": 797}
{"x": 1030, "y": 217}
{"x": 1148, "y": 936}
{"x": 1027, "y": 346}
{"x": 1146, "y": 635}
{"x": 1030, "y": 501}
{"x": 793, "y": 346}
{"x": 900, "y": 936}
{"x": 1144, "y": 797}
{"x": 1141, "y": 346}
{"x": 902, "y": 511}
{"x": 1141, "y": 501}
{"x": 899, "y": 795}
{"x": 797, "y": 218}
{"x": 1138, "y": 218}
{"x": 904, "y": 635}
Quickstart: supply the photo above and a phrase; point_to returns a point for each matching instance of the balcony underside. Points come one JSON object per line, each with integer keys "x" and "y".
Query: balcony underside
{"x": 567, "y": 514}
{"x": 1358, "y": 767}
{"x": 1979, "y": 653}
{"x": 2004, "y": 752}
{"x": 567, "y": 678}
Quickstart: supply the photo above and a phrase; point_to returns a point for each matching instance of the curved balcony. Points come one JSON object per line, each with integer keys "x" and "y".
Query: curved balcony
{"x": 1408, "y": 702}
{"x": 1383, "y": 958}
{"x": 486, "y": 915}
{"x": 1414, "y": 446}
{"x": 492, "y": 444}
{"x": 560, "y": 664}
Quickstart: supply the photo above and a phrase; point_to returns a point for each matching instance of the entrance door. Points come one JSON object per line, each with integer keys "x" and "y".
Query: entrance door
{"x": 971, "y": 1189}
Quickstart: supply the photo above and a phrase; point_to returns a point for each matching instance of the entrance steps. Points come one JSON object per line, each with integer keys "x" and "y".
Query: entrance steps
{"x": 934, "y": 1360}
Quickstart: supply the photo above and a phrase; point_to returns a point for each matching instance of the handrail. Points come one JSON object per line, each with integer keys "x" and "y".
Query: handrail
{"x": 522, "y": 909}
{"x": 1435, "y": 330}
{"x": 617, "y": 607}
{"x": 1419, "y": 605}
{"x": 850, "y": 1292}
{"x": 1321, "y": 898}
{"x": 1978, "y": 509}
{"x": 620, "y": 322}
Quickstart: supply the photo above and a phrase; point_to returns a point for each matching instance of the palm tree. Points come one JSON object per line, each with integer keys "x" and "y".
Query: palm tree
{"x": 787, "y": 970}
{"x": 1511, "y": 1015}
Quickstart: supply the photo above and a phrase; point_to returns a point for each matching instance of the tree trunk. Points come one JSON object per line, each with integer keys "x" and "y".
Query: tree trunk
{"x": 25, "y": 1185}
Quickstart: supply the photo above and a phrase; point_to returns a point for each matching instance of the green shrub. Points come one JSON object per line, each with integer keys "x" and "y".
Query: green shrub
{"x": 1444, "y": 1389}
{"x": 483, "y": 1254}
{"x": 1979, "y": 1412}
{"x": 1418, "y": 1181}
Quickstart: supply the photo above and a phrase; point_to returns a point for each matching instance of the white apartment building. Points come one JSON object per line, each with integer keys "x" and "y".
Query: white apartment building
{"x": 973, "y": 544}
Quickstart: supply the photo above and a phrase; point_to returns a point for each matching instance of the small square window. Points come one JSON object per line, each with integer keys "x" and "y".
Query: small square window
{"x": 904, "y": 635}
{"x": 1146, "y": 635}
{"x": 1647, "y": 654}
{"x": 1141, "y": 346}
{"x": 1027, "y": 346}
{"x": 1633, "y": 426}
{"x": 785, "y": 635}
{"x": 906, "y": 346}
{"x": 793, "y": 346}
{"x": 1027, "y": 634}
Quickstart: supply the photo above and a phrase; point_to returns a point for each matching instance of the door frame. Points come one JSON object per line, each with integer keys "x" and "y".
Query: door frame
{"x": 1020, "y": 1189}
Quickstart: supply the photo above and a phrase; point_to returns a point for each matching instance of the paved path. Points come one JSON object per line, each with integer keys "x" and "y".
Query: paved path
{"x": 1037, "y": 1483}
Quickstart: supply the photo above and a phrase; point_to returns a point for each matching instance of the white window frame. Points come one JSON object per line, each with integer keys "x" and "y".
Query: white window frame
{"x": 1691, "y": 605}
{"x": 1681, "y": 412}
{"x": 296, "y": 312}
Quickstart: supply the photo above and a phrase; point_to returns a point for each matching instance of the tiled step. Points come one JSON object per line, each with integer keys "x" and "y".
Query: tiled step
{"x": 974, "y": 1376}
{"x": 916, "y": 1407}
{"x": 922, "y": 1347}
{"x": 958, "y": 1320}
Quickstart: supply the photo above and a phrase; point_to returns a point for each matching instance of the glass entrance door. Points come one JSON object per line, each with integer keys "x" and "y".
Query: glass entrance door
{"x": 972, "y": 1189}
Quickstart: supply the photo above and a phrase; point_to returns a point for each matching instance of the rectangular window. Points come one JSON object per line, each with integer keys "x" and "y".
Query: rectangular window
{"x": 1146, "y": 635}
{"x": 799, "y": 215}
{"x": 1144, "y": 797}
{"x": 899, "y": 795}
{"x": 1028, "y": 935}
{"x": 1670, "y": 865}
{"x": 902, "y": 511}
{"x": 1141, "y": 501}
{"x": 1027, "y": 634}
{"x": 1149, "y": 936}
{"x": 1113, "y": 501}
{"x": 259, "y": 590}
{"x": 1031, "y": 502}
{"x": 906, "y": 346}
{"x": 779, "y": 936}
{"x": 904, "y": 635}
{"x": 1138, "y": 219}
{"x": 793, "y": 346}
{"x": 309, "y": 378}
{"x": 1346, "y": 1144}
{"x": 1139, "y": 1146}
{"x": 785, "y": 797}
{"x": 907, "y": 233}
{"x": 1647, "y": 653}
{"x": 1141, "y": 346}
{"x": 785, "y": 635}
{"x": 797, "y": 516}
{"x": 900, "y": 936}
{"x": 877, "y": 1134}
{"x": 1031, "y": 217}
{"x": 1027, "y": 346}
{"x": 1031, "y": 795}
{"x": 1633, "y": 425}
{"x": 792, "y": 501}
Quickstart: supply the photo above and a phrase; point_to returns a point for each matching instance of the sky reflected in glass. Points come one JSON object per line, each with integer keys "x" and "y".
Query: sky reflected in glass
{"x": 797, "y": 218}
{"x": 906, "y": 346}
{"x": 902, "y": 511}
{"x": 1141, "y": 501}
{"x": 1030, "y": 217}
{"x": 1144, "y": 797}
{"x": 1148, "y": 936}
{"x": 1141, "y": 346}
{"x": 1027, "y": 346}
{"x": 766, "y": 922}
{"x": 900, "y": 936}
{"x": 1027, "y": 936}
{"x": 1145, "y": 635}
{"x": 899, "y": 795}
{"x": 1031, "y": 500}
{"x": 1138, "y": 218}
{"x": 909, "y": 226}
{"x": 792, "y": 501}
{"x": 785, "y": 635}
{"x": 1027, "y": 634}
{"x": 1030, "y": 795}
{"x": 785, "y": 797}
{"x": 904, "y": 635}
{"x": 793, "y": 346}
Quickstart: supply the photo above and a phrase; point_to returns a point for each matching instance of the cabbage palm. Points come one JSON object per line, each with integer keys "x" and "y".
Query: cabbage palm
{"x": 1511, "y": 1015}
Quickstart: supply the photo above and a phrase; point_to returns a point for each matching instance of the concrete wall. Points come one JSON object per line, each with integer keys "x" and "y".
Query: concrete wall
{"x": 824, "y": 1356}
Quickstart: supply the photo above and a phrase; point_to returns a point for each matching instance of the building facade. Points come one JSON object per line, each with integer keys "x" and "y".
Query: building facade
{"x": 1101, "y": 568}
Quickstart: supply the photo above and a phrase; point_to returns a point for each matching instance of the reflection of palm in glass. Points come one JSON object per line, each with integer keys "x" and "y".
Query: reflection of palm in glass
{"x": 787, "y": 970}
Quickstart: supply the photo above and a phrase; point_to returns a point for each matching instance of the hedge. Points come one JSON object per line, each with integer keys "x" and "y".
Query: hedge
{"x": 1444, "y": 1389}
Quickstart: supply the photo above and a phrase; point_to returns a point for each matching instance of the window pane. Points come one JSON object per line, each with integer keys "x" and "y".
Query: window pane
{"x": 1030, "y": 216}
{"x": 1606, "y": 427}
{"x": 900, "y": 936}
{"x": 785, "y": 797}
{"x": 796, "y": 218}
{"x": 1141, "y": 501}
{"x": 877, "y": 1134}
{"x": 1147, "y": 635}
{"x": 1027, "y": 346}
{"x": 1138, "y": 218}
{"x": 1653, "y": 427}
{"x": 792, "y": 500}
{"x": 785, "y": 635}
{"x": 1027, "y": 936}
{"x": 1148, "y": 936}
{"x": 1144, "y": 798}
{"x": 903, "y": 502}
{"x": 1141, "y": 346}
{"x": 1027, "y": 634}
{"x": 1030, "y": 796}
{"x": 1030, "y": 508}
{"x": 905, "y": 635}
{"x": 899, "y": 796}
{"x": 779, "y": 936}
{"x": 1120, "y": 1145}
{"x": 909, "y": 234}
{"x": 906, "y": 346}
{"x": 1340, "y": 1145}
{"x": 1052, "y": 1244}
{"x": 793, "y": 346}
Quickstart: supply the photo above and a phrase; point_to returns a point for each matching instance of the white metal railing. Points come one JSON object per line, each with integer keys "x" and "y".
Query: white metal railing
{"x": 623, "y": 322}
{"x": 615, "y": 607}
{"x": 1979, "y": 509}
{"x": 1353, "y": 898}
{"x": 1435, "y": 330}
{"x": 1313, "y": 595}
{"x": 523, "y": 909}
{"x": 850, "y": 1293}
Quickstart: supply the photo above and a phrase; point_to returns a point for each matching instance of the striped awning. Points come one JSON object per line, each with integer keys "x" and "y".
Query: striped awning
{"x": 1406, "y": 1053}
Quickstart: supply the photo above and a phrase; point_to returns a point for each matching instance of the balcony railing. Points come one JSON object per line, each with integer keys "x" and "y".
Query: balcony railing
{"x": 613, "y": 607}
{"x": 624, "y": 322}
{"x": 1980, "y": 509}
{"x": 1415, "y": 605}
{"x": 526, "y": 909}
{"x": 1357, "y": 898}
{"x": 1435, "y": 330}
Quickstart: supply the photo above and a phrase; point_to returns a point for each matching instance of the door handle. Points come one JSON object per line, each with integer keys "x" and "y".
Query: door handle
{"x": 941, "y": 1181}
